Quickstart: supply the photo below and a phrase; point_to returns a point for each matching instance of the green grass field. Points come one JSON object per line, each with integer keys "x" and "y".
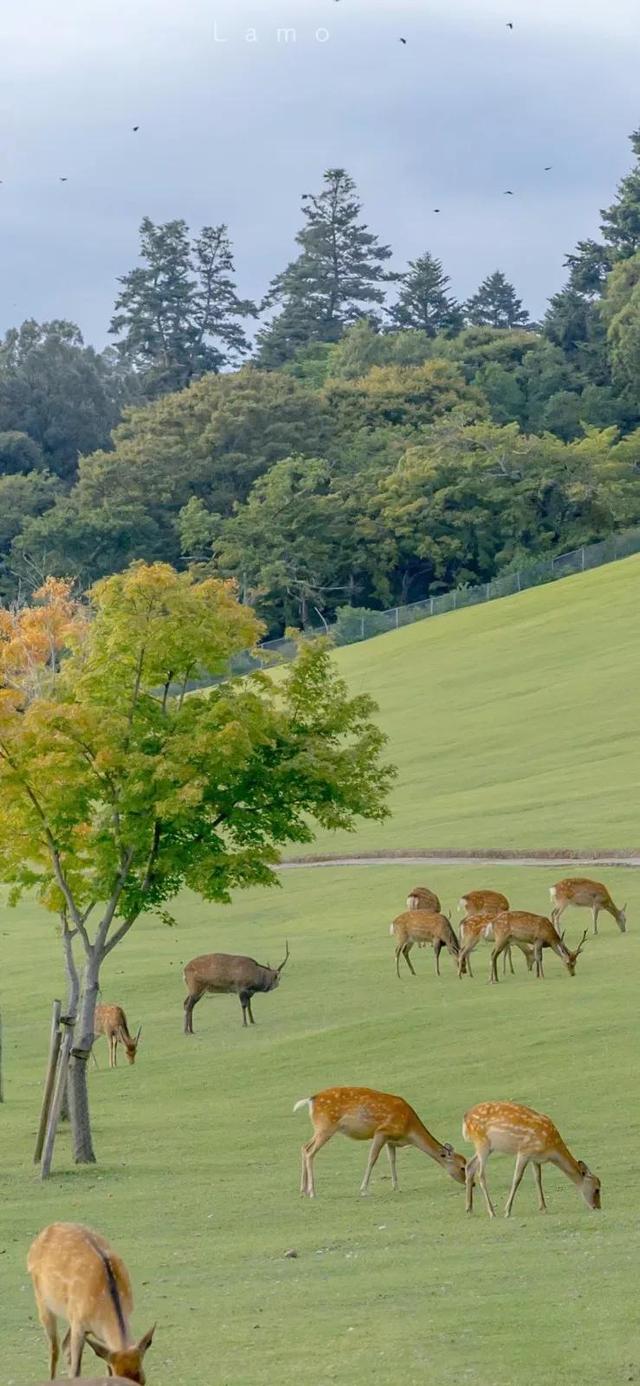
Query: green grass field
{"x": 197, "y": 1184}
{"x": 513, "y": 724}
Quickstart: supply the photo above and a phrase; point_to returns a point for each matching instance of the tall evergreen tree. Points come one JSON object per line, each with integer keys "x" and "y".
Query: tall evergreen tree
{"x": 337, "y": 278}
{"x": 424, "y": 302}
{"x": 621, "y": 222}
{"x": 496, "y": 304}
{"x": 178, "y": 315}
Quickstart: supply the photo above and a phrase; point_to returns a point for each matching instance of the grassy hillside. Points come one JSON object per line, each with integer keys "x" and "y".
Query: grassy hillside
{"x": 513, "y": 724}
{"x": 199, "y": 1149}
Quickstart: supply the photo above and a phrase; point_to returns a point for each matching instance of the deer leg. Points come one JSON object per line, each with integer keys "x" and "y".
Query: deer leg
{"x": 50, "y": 1325}
{"x": 114, "y": 1051}
{"x": 436, "y": 948}
{"x": 309, "y": 1152}
{"x": 405, "y": 953}
{"x": 521, "y": 1164}
{"x": 537, "y": 1174}
{"x": 392, "y": 1152}
{"x": 469, "y": 1177}
{"x": 190, "y": 1003}
{"x": 596, "y": 911}
{"x": 499, "y": 948}
{"x": 379, "y": 1140}
{"x": 482, "y": 1160}
{"x": 506, "y": 956}
{"x": 66, "y": 1342}
{"x": 75, "y": 1351}
{"x": 539, "y": 967}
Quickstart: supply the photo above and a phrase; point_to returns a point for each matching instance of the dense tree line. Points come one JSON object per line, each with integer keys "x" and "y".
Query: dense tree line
{"x": 380, "y": 442}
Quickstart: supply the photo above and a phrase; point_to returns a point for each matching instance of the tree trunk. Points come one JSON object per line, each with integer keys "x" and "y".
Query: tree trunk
{"x": 83, "y": 1152}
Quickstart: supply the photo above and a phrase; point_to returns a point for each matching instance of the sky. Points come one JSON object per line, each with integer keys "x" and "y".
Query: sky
{"x": 238, "y": 119}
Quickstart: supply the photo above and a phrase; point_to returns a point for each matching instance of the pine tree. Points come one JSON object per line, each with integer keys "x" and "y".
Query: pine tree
{"x": 424, "y": 303}
{"x": 179, "y": 316}
{"x": 496, "y": 304}
{"x": 621, "y": 222}
{"x": 337, "y": 278}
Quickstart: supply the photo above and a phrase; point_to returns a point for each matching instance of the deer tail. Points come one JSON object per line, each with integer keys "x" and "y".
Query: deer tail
{"x": 304, "y": 1102}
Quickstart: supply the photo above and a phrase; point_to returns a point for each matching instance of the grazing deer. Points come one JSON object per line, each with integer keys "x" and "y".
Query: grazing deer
{"x": 366, "y": 1115}
{"x": 517, "y": 926}
{"x": 477, "y": 926}
{"x": 483, "y": 902}
{"x": 77, "y": 1276}
{"x": 227, "y": 973}
{"x": 514, "y": 1130}
{"x": 422, "y": 927}
{"x": 111, "y": 1021}
{"x": 420, "y": 898}
{"x": 576, "y": 890}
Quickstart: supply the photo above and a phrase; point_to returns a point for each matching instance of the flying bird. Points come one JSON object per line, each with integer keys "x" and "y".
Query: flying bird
{"x": 548, "y": 168}
{"x": 436, "y": 209}
{"x": 508, "y": 193}
{"x": 509, "y": 25}
{"x": 403, "y": 40}
{"x": 136, "y": 127}
{"x": 64, "y": 180}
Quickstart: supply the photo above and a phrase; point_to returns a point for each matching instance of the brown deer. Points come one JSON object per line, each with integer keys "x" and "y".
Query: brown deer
{"x": 111, "y": 1021}
{"x": 227, "y": 974}
{"x": 577, "y": 890}
{"x": 420, "y": 898}
{"x": 366, "y": 1115}
{"x": 514, "y": 1130}
{"x": 477, "y": 926}
{"x": 483, "y": 902}
{"x": 77, "y": 1276}
{"x": 422, "y": 927}
{"x": 517, "y": 926}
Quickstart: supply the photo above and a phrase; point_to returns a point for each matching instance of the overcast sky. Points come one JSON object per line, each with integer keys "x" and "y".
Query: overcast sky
{"x": 235, "y": 130}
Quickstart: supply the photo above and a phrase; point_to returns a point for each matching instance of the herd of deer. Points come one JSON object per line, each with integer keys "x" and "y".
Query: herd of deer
{"x": 488, "y": 915}
{"x": 78, "y": 1277}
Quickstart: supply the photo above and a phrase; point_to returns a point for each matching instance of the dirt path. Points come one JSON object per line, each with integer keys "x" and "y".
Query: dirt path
{"x": 486, "y": 858}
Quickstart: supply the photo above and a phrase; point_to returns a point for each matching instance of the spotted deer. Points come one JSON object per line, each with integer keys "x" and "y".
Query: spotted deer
{"x": 518, "y": 926}
{"x": 577, "y": 890}
{"x": 421, "y": 898}
{"x": 77, "y": 1276}
{"x": 511, "y": 1129}
{"x": 366, "y": 1115}
{"x": 111, "y": 1021}
{"x": 477, "y": 926}
{"x": 483, "y": 902}
{"x": 422, "y": 927}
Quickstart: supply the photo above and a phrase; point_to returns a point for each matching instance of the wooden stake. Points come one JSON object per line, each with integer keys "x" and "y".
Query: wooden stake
{"x": 58, "y": 1094}
{"x": 54, "y": 1050}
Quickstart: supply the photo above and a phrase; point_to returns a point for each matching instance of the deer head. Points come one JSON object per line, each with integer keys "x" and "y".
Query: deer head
{"x": 590, "y": 1187}
{"x": 128, "y": 1361}
{"x": 131, "y": 1046}
{"x": 621, "y": 919}
{"x": 572, "y": 958}
{"x": 454, "y": 1164}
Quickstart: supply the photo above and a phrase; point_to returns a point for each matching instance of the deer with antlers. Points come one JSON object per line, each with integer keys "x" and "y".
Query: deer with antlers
{"x": 77, "y": 1276}
{"x": 477, "y": 926}
{"x": 228, "y": 974}
{"x": 421, "y": 898}
{"x": 422, "y": 927}
{"x": 511, "y": 1129}
{"x": 577, "y": 890}
{"x": 518, "y": 926}
{"x": 366, "y": 1115}
{"x": 111, "y": 1022}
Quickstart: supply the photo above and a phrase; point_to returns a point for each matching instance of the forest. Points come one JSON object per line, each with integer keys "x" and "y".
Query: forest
{"x": 358, "y": 438}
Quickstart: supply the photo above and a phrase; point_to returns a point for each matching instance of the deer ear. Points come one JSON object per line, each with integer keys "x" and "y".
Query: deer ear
{"x": 99, "y": 1348}
{"x": 146, "y": 1341}
{"x": 582, "y": 1167}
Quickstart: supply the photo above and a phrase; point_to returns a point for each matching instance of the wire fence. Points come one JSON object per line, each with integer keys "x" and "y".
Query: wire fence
{"x": 355, "y": 624}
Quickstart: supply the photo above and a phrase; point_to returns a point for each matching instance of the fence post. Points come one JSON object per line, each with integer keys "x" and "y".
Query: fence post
{"x": 58, "y": 1095}
{"x": 397, "y": 617}
{"x": 431, "y": 606}
{"x": 362, "y": 627}
{"x": 52, "y": 1063}
{"x": 518, "y": 577}
{"x": 582, "y": 556}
